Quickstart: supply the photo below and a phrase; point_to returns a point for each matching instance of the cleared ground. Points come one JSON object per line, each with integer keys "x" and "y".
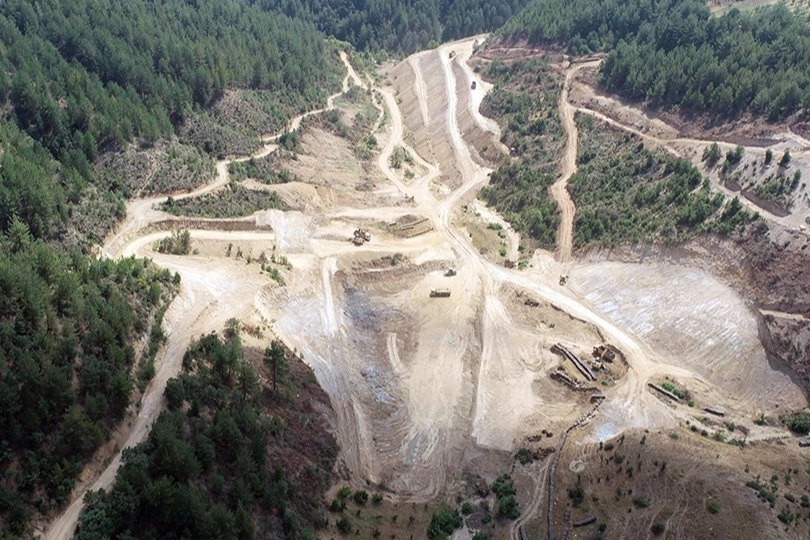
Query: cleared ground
{"x": 424, "y": 387}
{"x": 694, "y": 321}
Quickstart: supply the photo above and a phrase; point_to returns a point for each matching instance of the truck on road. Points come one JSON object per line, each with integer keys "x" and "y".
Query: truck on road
{"x": 439, "y": 293}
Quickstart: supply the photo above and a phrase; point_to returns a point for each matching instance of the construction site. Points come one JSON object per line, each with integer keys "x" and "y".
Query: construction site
{"x": 442, "y": 362}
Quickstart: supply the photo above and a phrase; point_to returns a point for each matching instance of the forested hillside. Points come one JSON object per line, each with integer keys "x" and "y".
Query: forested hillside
{"x": 230, "y": 459}
{"x": 623, "y": 191}
{"x": 400, "y": 26}
{"x": 67, "y": 363}
{"x": 83, "y": 78}
{"x": 78, "y": 79}
{"x": 673, "y": 53}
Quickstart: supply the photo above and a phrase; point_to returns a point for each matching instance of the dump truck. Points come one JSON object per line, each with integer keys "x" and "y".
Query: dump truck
{"x": 439, "y": 293}
{"x": 473, "y": 85}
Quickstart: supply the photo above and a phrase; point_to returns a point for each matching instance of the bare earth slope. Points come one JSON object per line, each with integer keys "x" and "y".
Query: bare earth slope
{"x": 424, "y": 387}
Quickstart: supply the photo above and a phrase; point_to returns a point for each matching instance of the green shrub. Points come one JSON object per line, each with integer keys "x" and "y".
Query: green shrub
{"x": 524, "y": 456}
{"x": 735, "y": 156}
{"x": 344, "y": 526}
{"x": 344, "y": 492}
{"x": 786, "y": 516}
{"x": 639, "y": 501}
{"x": 442, "y": 524}
{"x": 509, "y": 507}
{"x": 713, "y": 507}
{"x": 361, "y": 497}
{"x": 799, "y": 423}
{"x": 467, "y": 508}
{"x": 712, "y": 154}
{"x": 503, "y": 486}
{"x": 504, "y": 489}
{"x": 674, "y": 389}
{"x": 577, "y": 494}
{"x": 178, "y": 243}
{"x": 658, "y": 528}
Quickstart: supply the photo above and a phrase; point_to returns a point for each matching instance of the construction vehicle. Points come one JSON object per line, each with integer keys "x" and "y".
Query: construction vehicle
{"x": 361, "y": 236}
{"x": 473, "y": 85}
{"x": 450, "y": 272}
{"x": 604, "y": 353}
{"x": 439, "y": 293}
{"x": 563, "y": 279}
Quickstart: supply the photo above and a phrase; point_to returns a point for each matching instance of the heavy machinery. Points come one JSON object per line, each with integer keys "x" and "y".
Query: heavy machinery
{"x": 604, "y": 353}
{"x": 361, "y": 236}
{"x": 563, "y": 279}
{"x": 473, "y": 85}
{"x": 439, "y": 293}
{"x": 450, "y": 272}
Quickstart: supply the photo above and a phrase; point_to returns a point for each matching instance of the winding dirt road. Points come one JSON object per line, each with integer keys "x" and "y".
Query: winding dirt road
{"x": 198, "y": 308}
{"x": 462, "y": 391}
{"x": 568, "y": 166}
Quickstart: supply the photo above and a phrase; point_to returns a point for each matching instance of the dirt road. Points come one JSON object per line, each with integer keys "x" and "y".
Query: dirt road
{"x": 200, "y": 307}
{"x": 658, "y": 134}
{"x": 414, "y": 381}
{"x": 568, "y": 166}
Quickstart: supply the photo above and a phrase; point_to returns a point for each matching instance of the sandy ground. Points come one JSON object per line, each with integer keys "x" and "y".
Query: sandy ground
{"x": 568, "y": 166}
{"x": 417, "y": 382}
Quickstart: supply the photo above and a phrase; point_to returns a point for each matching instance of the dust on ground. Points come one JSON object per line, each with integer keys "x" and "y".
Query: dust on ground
{"x": 425, "y": 386}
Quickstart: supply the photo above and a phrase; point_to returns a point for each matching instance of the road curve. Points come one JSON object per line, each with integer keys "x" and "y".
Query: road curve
{"x": 139, "y": 215}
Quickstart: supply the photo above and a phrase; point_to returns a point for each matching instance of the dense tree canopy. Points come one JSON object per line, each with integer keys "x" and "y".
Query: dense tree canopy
{"x": 85, "y": 76}
{"x": 400, "y": 26}
{"x": 209, "y": 468}
{"x": 66, "y": 324}
{"x": 674, "y": 53}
